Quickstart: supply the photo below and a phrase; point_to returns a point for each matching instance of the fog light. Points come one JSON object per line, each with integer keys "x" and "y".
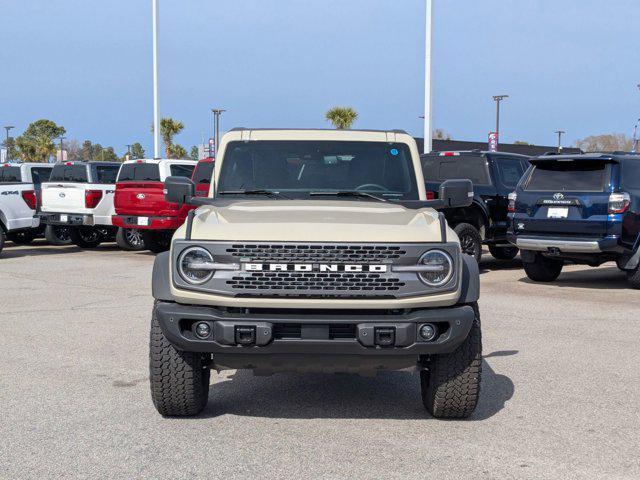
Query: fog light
{"x": 427, "y": 332}
{"x": 203, "y": 330}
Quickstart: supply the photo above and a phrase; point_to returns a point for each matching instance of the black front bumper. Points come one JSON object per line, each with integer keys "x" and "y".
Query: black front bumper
{"x": 317, "y": 333}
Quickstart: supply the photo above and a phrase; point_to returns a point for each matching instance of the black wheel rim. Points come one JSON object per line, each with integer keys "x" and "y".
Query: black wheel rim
{"x": 467, "y": 245}
{"x": 89, "y": 235}
{"x": 133, "y": 238}
{"x": 62, "y": 233}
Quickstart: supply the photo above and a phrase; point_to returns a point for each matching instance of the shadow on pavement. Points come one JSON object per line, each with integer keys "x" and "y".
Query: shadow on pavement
{"x": 390, "y": 395}
{"x": 610, "y": 278}
{"x": 489, "y": 264}
{"x": 37, "y": 248}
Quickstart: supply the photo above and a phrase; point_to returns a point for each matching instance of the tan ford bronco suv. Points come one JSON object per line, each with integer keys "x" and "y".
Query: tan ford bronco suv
{"x": 316, "y": 251}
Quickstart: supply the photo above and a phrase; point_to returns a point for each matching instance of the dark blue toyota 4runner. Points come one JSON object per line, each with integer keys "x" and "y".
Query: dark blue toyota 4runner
{"x": 579, "y": 208}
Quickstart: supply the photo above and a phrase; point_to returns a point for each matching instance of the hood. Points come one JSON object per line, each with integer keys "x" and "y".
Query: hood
{"x": 315, "y": 221}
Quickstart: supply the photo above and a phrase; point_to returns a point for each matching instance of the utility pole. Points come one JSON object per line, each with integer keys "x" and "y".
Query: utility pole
{"x": 156, "y": 102}
{"x": 7, "y": 128}
{"x": 216, "y": 127}
{"x": 428, "y": 84}
{"x": 61, "y": 154}
{"x": 498, "y": 99}
{"x": 560, "y": 133}
{"x": 128, "y": 152}
{"x": 634, "y": 147}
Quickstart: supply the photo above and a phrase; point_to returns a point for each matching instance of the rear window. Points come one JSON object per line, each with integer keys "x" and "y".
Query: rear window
{"x": 40, "y": 174}
{"x": 182, "y": 170}
{"x": 510, "y": 171}
{"x": 203, "y": 173}
{"x": 69, "y": 173}
{"x": 141, "y": 172}
{"x": 10, "y": 174}
{"x": 569, "y": 176}
{"x": 106, "y": 173}
{"x": 439, "y": 169}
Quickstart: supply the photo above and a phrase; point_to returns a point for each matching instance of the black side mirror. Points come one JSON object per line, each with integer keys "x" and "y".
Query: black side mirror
{"x": 179, "y": 190}
{"x": 456, "y": 193}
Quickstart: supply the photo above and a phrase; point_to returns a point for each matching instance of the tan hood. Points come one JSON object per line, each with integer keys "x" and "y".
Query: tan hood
{"x": 315, "y": 221}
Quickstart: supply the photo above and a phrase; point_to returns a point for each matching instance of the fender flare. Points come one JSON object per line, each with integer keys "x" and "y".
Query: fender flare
{"x": 161, "y": 278}
{"x": 470, "y": 281}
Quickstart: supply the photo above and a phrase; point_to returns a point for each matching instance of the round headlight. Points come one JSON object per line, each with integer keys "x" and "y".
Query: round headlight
{"x": 440, "y": 268}
{"x": 190, "y": 265}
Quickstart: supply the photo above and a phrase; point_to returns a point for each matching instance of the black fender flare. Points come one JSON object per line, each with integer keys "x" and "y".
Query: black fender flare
{"x": 161, "y": 278}
{"x": 470, "y": 281}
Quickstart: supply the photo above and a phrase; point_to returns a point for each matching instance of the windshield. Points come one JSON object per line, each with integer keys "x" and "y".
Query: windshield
{"x": 568, "y": 176}
{"x": 299, "y": 168}
{"x": 10, "y": 174}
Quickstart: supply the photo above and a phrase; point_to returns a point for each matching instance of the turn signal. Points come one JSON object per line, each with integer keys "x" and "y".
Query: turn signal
{"x": 619, "y": 202}
{"x": 92, "y": 198}
{"x": 29, "y": 197}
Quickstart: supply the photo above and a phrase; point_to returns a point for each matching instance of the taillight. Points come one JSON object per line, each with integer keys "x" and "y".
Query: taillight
{"x": 92, "y": 198}
{"x": 513, "y": 196}
{"x": 30, "y": 198}
{"x": 619, "y": 202}
{"x": 431, "y": 195}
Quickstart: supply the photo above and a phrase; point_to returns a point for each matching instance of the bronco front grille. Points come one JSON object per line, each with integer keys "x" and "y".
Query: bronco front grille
{"x": 317, "y": 253}
{"x": 298, "y": 281}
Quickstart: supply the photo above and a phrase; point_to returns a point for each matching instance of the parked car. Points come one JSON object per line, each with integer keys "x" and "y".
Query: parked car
{"x": 579, "y": 208}
{"x": 494, "y": 176}
{"x": 30, "y": 176}
{"x": 319, "y": 253}
{"x": 79, "y": 196}
{"x": 140, "y": 205}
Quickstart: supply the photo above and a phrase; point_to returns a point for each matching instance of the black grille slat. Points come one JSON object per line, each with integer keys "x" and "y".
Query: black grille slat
{"x": 315, "y": 281}
{"x": 340, "y": 254}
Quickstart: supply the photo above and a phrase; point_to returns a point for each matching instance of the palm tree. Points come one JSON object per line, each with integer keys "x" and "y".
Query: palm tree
{"x": 169, "y": 128}
{"x": 342, "y": 118}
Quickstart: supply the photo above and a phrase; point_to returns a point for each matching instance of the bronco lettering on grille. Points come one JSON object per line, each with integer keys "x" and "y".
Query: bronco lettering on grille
{"x": 312, "y": 267}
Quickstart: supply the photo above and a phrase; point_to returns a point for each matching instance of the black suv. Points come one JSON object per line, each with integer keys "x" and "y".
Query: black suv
{"x": 578, "y": 208}
{"x": 494, "y": 176}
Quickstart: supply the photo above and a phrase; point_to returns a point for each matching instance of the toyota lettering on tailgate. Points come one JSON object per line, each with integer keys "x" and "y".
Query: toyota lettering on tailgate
{"x": 312, "y": 267}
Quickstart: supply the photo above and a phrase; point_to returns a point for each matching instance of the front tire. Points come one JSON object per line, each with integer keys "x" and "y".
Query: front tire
{"x": 179, "y": 380}
{"x": 503, "y": 253}
{"x": 130, "y": 239}
{"x": 1, "y": 240}
{"x": 451, "y": 385}
{"x": 156, "y": 241}
{"x": 85, "y": 237}
{"x": 543, "y": 269}
{"x": 470, "y": 240}
{"x": 634, "y": 278}
{"x": 57, "y": 235}
{"x": 22, "y": 238}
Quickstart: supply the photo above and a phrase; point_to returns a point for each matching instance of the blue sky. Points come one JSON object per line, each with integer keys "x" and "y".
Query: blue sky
{"x": 86, "y": 64}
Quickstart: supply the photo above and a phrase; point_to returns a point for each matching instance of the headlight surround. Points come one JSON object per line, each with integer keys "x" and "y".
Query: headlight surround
{"x": 192, "y": 255}
{"x": 438, "y": 277}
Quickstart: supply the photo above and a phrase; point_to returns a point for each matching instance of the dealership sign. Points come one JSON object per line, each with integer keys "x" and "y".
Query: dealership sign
{"x": 493, "y": 141}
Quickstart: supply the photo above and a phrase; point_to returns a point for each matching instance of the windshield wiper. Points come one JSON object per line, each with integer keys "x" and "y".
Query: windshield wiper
{"x": 348, "y": 193}
{"x": 268, "y": 193}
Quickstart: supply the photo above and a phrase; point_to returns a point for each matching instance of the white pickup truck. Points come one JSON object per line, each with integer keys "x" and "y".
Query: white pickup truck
{"x": 19, "y": 198}
{"x": 79, "y": 195}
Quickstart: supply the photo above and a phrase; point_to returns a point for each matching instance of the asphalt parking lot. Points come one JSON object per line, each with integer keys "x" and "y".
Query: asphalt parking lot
{"x": 560, "y": 393}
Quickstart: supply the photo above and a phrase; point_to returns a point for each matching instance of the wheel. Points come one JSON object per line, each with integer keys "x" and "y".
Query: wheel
{"x": 451, "y": 385}
{"x": 156, "y": 241}
{"x": 543, "y": 269}
{"x": 1, "y": 240}
{"x": 634, "y": 278}
{"x": 85, "y": 237}
{"x": 503, "y": 253}
{"x": 129, "y": 239}
{"x": 179, "y": 380}
{"x": 470, "y": 240}
{"x": 57, "y": 235}
{"x": 24, "y": 237}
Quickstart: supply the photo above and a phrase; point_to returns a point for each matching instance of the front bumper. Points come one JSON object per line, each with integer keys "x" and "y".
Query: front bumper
{"x": 147, "y": 223}
{"x": 314, "y": 333}
{"x": 565, "y": 244}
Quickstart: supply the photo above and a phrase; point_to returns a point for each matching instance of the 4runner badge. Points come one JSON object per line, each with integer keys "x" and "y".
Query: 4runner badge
{"x": 312, "y": 267}
{"x": 558, "y": 196}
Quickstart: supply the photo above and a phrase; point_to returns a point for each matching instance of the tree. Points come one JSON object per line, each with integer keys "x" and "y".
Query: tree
{"x": 137, "y": 151}
{"x": 12, "y": 150}
{"x": 439, "y": 134}
{"x": 169, "y": 128}
{"x": 72, "y": 147}
{"x": 521, "y": 142}
{"x": 612, "y": 142}
{"x": 195, "y": 153}
{"x": 342, "y": 118}
{"x": 37, "y": 143}
{"x": 176, "y": 151}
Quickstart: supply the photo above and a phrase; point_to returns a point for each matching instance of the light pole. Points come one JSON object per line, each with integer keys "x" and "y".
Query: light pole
{"x": 156, "y": 102}
{"x": 498, "y": 99}
{"x": 61, "y": 154}
{"x": 7, "y": 128}
{"x": 428, "y": 85}
{"x": 560, "y": 133}
{"x": 216, "y": 127}
{"x": 128, "y": 152}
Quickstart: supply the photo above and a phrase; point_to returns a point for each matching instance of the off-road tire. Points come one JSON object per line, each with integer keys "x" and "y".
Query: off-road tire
{"x": 85, "y": 237}
{"x": 57, "y": 235}
{"x": 156, "y": 241}
{"x": 470, "y": 240}
{"x": 634, "y": 278}
{"x": 503, "y": 253}
{"x": 125, "y": 240}
{"x": 22, "y": 238}
{"x": 451, "y": 385}
{"x": 1, "y": 240}
{"x": 543, "y": 269}
{"x": 179, "y": 380}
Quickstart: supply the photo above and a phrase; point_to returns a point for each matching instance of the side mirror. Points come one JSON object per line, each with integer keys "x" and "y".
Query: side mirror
{"x": 179, "y": 190}
{"x": 456, "y": 193}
